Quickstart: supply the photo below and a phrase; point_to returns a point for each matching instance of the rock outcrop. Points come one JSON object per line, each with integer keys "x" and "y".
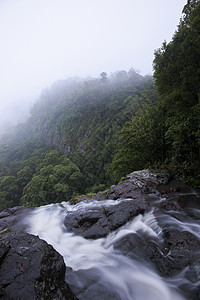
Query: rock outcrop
{"x": 31, "y": 269}
{"x": 98, "y": 222}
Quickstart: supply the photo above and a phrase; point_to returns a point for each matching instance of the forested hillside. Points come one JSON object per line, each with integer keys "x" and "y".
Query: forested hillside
{"x": 84, "y": 135}
{"x": 67, "y": 145}
{"x": 167, "y": 132}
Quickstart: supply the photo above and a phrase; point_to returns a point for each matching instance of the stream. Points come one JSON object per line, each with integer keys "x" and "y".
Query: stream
{"x": 97, "y": 269}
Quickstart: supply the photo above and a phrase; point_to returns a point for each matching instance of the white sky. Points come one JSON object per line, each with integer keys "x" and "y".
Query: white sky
{"x": 42, "y": 41}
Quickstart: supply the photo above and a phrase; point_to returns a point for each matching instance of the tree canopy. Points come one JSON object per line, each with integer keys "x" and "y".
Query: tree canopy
{"x": 168, "y": 132}
{"x": 66, "y": 146}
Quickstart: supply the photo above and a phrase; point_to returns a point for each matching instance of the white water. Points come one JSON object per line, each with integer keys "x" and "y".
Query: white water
{"x": 95, "y": 264}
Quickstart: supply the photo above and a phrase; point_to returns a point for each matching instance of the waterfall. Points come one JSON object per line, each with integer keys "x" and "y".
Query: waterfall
{"x": 95, "y": 269}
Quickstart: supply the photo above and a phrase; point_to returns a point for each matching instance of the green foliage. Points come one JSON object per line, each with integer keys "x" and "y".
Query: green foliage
{"x": 97, "y": 188}
{"x": 167, "y": 131}
{"x": 37, "y": 177}
{"x": 8, "y": 191}
{"x": 65, "y": 148}
{"x": 54, "y": 181}
{"x": 85, "y": 125}
{"x": 177, "y": 74}
{"x": 140, "y": 143}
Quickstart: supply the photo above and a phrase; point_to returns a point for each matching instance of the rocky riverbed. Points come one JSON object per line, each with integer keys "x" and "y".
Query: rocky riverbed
{"x": 138, "y": 240}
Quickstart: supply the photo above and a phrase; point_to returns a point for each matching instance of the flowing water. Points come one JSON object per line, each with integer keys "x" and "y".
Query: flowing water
{"x": 96, "y": 271}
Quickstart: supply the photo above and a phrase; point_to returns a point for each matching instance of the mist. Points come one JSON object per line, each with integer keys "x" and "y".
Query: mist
{"x": 44, "y": 41}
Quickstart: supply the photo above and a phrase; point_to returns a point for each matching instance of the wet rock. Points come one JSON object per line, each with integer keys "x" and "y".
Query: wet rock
{"x": 99, "y": 221}
{"x": 181, "y": 202}
{"x": 36, "y": 271}
{"x": 148, "y": 179}
{"x": 125, "y": 190}
{"x": 89, "y": 284}
{"x": 174, "y": 203}
{"x": 138, "y": 247}
{"x": 145, "y": 181}
{"x": 176, "y": 252}
{"x": 183, "y": 249}
{"x": 193, "y": 272}
{"x": 182, "y": 241}
{"x": 31, "y": 269}
{"x": 14, "y": 217}
{"x": 145, "y": 250}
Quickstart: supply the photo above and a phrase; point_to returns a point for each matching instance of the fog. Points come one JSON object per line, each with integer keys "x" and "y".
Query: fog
{"x": 46, "y": 40}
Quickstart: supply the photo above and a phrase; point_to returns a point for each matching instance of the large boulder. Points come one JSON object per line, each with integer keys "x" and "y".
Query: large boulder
{"x": 148, "y": 180}
{"x": 31, "y": 269}
{"x": 178, "y": 250}
{"x": 125, "y": 190}
{"x": 102, "y": 219}
{"x": 145, "y": 181}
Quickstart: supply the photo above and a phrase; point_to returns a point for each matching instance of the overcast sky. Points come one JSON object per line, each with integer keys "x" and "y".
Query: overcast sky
{"x": 42, "y": 41}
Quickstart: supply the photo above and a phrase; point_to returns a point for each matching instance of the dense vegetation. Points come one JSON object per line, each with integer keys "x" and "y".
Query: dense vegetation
{"x": 66, "y": 146}
{"x": 84, "y": 135}
{"x": 37, "y": 175}
{"x": 167, "y": 132}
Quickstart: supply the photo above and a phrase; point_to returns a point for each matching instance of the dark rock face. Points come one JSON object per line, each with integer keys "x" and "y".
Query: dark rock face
{"x": 148, "y": 180}
{"x": 137, "y": 247}
{"x": 13, "y": 217}
{"x": 178, "y": 250}
{"x": 31, "y": 269}
{"x": 99, "y": 222}
{"x": 124, "y": 190}
{"x": 181, "y": 202}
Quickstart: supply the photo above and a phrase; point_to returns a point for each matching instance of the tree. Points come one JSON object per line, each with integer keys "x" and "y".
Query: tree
{"x": 177, "y": 76}
{"x": 103, "y": 76}
{"x": 34, "y": 192}
{"x": 140, "y": 143}
{"x": 8, "y": 191}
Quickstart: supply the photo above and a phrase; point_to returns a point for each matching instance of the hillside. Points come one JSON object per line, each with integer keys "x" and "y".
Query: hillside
{"x": 68, "y": 143}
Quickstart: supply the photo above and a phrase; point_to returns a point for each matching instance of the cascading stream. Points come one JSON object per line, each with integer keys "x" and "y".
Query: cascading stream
{"x": 96, "y": 266}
